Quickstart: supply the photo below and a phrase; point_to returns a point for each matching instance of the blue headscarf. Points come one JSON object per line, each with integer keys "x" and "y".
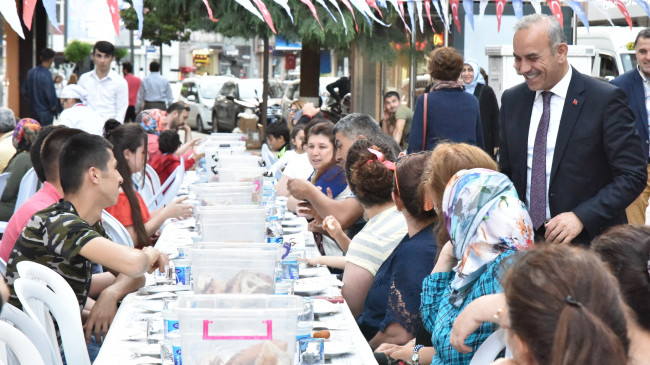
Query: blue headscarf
{"x": 478, "y": 78}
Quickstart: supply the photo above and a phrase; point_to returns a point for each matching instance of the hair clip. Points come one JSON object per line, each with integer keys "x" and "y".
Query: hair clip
{"x": 380, "y": 157}
{"x": 572, "y": 302}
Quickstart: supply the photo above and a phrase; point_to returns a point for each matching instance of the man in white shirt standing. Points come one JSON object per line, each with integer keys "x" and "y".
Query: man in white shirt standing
{"x": 154, "y": 92}
{"x": 78, "y": 115}
{"x": 108, "y": 92}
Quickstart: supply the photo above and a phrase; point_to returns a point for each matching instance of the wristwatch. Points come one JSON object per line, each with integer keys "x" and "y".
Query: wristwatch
{"x": 416, "y": 357}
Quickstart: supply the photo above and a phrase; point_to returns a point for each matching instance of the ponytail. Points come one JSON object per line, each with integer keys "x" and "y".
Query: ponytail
{"x": 583, "y": 338}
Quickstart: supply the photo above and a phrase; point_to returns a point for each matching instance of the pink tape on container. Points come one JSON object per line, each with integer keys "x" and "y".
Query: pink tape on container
{"x": 268, "y": 336}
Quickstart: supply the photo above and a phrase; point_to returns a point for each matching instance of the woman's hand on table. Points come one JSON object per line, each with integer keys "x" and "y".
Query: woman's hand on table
{"x": 402, "y": 352}
{"x": 177, "y": 209}
{"x": 157, "y": 259}
{"x": 316, "y": 226}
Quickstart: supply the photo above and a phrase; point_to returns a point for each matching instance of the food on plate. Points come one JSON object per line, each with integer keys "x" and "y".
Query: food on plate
{"x": 321, "y": 334}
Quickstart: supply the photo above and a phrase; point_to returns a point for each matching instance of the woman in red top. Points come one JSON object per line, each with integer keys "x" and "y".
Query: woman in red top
{"x": 130, "y": 150}
{"x": 167, "y": 161}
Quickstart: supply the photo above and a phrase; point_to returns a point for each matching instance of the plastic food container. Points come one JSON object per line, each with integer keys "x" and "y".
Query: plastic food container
{"x": 220, "y": 329}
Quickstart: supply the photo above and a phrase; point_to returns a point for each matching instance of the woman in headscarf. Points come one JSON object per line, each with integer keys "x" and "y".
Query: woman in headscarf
{"x": 475, "y": 84}
{"x": 25, "y": 133}
{"x": 487, "y": 223}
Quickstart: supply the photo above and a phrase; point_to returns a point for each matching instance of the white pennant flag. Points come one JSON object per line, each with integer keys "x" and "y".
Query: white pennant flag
{"x": 481, "y": 8}
{"x": 285, "y": 5}
{"x": 249, "y": 6}
{"x": 537, "y": 6}
{"x": 10, "y": 13}
{"x": 602, "y": 9}
{"x": 418, "y": 7}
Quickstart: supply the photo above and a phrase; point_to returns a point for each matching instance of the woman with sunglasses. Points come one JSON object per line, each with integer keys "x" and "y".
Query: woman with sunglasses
{"x": 391, "y": 312}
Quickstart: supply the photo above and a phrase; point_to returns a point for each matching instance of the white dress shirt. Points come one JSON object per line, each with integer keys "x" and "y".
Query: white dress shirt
{"x": 82, "y": 117}
{"x": 557, "y": 106}
{"x": 108, "y": 97}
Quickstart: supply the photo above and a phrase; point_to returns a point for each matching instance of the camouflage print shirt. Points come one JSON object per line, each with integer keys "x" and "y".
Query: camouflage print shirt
{"x": 53, "y": 237}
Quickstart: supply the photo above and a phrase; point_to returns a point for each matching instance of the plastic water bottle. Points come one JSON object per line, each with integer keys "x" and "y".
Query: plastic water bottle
{"x": 274, "y": 231}
{"x": 268, "y": 193}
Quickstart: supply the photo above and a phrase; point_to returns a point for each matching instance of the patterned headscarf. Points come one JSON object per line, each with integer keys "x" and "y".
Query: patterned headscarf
{"x": 484, "y": 217}
{"x": 25, "y": 133}
{"x": 154, "y": 121}
{"x": 478, "y": 77}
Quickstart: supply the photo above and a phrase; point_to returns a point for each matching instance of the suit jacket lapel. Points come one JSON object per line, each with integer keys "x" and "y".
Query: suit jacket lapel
{"x": 638, "y": 95}
{"x": 572, "y": 107}
{"x": 519, "y": 138}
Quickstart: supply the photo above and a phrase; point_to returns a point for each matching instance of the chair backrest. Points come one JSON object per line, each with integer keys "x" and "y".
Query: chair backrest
{"x": 20, "y": 345}
{"x": 3, "y": 180}
{"x": 490, "y": 348}
{"x": 153, "y": 176}
{"x": 28, "y": 187}
{"x": 68, "y": 318}
{"x": 144, "y": 186}
{"x": 168, "y": 189}
{"x": 116, "y": 230}
{"x": 50, "y": 354}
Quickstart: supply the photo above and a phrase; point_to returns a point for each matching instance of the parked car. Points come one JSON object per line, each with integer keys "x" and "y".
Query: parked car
{"x": 237, "y": 95}
{"x": 199, "y": 94}
{"x": 292, "y": 92}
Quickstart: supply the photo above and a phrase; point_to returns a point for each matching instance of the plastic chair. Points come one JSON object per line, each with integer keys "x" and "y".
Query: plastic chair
{"x": 169, "y": 189}
{"x": 115, "y": 230}
{"x": 20, "y": 345}
{"x": 490, "y": 348}
{"x": 50, "y": 355}
{"x": 153, "y": 176}
{"x": 28, "y": 187}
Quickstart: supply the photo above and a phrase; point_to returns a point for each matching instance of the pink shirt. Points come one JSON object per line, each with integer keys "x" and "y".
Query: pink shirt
{"x": 43, "y": 198}
{"x": 134, "y": 85}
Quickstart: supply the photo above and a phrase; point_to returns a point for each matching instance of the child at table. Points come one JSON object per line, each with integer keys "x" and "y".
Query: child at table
{"x": 167, "y": 161}
{"x": 277, "y": 142}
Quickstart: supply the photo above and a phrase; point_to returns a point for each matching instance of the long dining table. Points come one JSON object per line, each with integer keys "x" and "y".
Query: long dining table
{"x": 140, "y": 313}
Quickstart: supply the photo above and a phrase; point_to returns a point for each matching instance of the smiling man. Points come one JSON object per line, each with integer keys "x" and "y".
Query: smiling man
{"x": 568, "y": 141}
{"x": 636, "y": 84}
{"x": 108, "y": 92}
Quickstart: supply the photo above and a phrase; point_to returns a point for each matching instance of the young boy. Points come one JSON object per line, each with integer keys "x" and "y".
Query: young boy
{"x": 277, "y": 139}
{"x": 166, "y": 161}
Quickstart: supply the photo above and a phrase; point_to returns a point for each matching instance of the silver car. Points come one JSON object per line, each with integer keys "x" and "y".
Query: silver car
{"x": 199, "y": 94}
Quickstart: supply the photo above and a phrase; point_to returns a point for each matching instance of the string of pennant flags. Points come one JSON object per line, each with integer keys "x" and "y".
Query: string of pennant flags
{"x": 416, "y": 9}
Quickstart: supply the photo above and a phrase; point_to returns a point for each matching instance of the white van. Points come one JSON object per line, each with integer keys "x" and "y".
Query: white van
{"x": 614, "y": 49}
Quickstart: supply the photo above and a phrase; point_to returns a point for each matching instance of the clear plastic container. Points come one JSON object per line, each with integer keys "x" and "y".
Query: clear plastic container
{"x": 231, "y": 328}
{"x": 238, "y": 161}
{"x": 229, "y": 231}
{"x": 234, "y": 271}
{"x": 226, "y": 198}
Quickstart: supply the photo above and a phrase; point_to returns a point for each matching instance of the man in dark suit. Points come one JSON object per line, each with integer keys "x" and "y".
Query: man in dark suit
{"x": 567, "y": 141}
{"x": 636, "y": 84}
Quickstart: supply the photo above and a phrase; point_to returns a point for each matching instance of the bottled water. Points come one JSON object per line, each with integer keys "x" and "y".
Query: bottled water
{"x": 268, "y": 194}
{"x": 274, "y": 231}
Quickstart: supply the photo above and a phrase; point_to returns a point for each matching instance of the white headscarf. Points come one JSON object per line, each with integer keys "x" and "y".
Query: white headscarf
{"x": 478, "y": 77}
{"x": 74, "y": 91}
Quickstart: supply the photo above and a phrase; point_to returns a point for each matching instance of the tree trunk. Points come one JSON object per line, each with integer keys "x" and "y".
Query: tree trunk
{"x": 309, "y": 72}
{"x": 160, "y": 60}
{"x": 265, "y": 83}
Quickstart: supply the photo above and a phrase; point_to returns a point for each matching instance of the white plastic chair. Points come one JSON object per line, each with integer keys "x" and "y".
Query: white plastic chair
{"x": 115, "y": 230}
{"x": 20, "y": 345}
{"x": 28, "y": 187}
{"x": 490, "y": 348}
{"x": 42, "y": 287}
{"x": 172, "y": 185}
{"x": 153, "y": 176}
{"x": 33, "y": 331}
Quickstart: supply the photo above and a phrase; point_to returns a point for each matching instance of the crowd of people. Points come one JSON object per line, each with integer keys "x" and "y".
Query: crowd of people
{"x": 447, "y": 223}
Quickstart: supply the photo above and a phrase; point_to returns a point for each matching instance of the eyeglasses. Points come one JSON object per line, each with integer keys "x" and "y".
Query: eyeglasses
{"x": 293, "y": 110}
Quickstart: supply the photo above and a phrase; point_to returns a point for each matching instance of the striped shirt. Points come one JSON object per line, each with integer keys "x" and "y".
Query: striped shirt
{"x": 375, "y": 242}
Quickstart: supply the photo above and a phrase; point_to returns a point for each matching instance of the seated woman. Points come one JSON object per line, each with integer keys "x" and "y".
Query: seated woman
{"x": 130, "y": 150}
{"x": 296, "y": 165}
{"x": 369, "y": 170}
{"x": 487, "y": 223}
{"x": 391, "y": 312}
{"x": 564, "y": 307}
{"x": 167, "y": 161}
{"x": 327, "y": 176}
{"x": 626, "y": 251}
{"x": 25, "y": 133}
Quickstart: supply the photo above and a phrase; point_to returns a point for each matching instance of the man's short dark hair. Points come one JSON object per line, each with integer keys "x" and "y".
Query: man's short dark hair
{"x": 154, "y": 66}
{"x": 177, "y": 106}
{"x": 277, "y": 130}
{"x": 35, "y": 150}
{"x": 390, "y": 94}
{"x": 644, "y": 33}
{"x": 354, "y": 125}
{"x": 47, "y": 54}
{"x": 51, "y": 150}
{"x": 168, "y": 141}
{"x": 104, "y": 47}
{"x": 78, "y": 154}
{"x": 128, "y": 67}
